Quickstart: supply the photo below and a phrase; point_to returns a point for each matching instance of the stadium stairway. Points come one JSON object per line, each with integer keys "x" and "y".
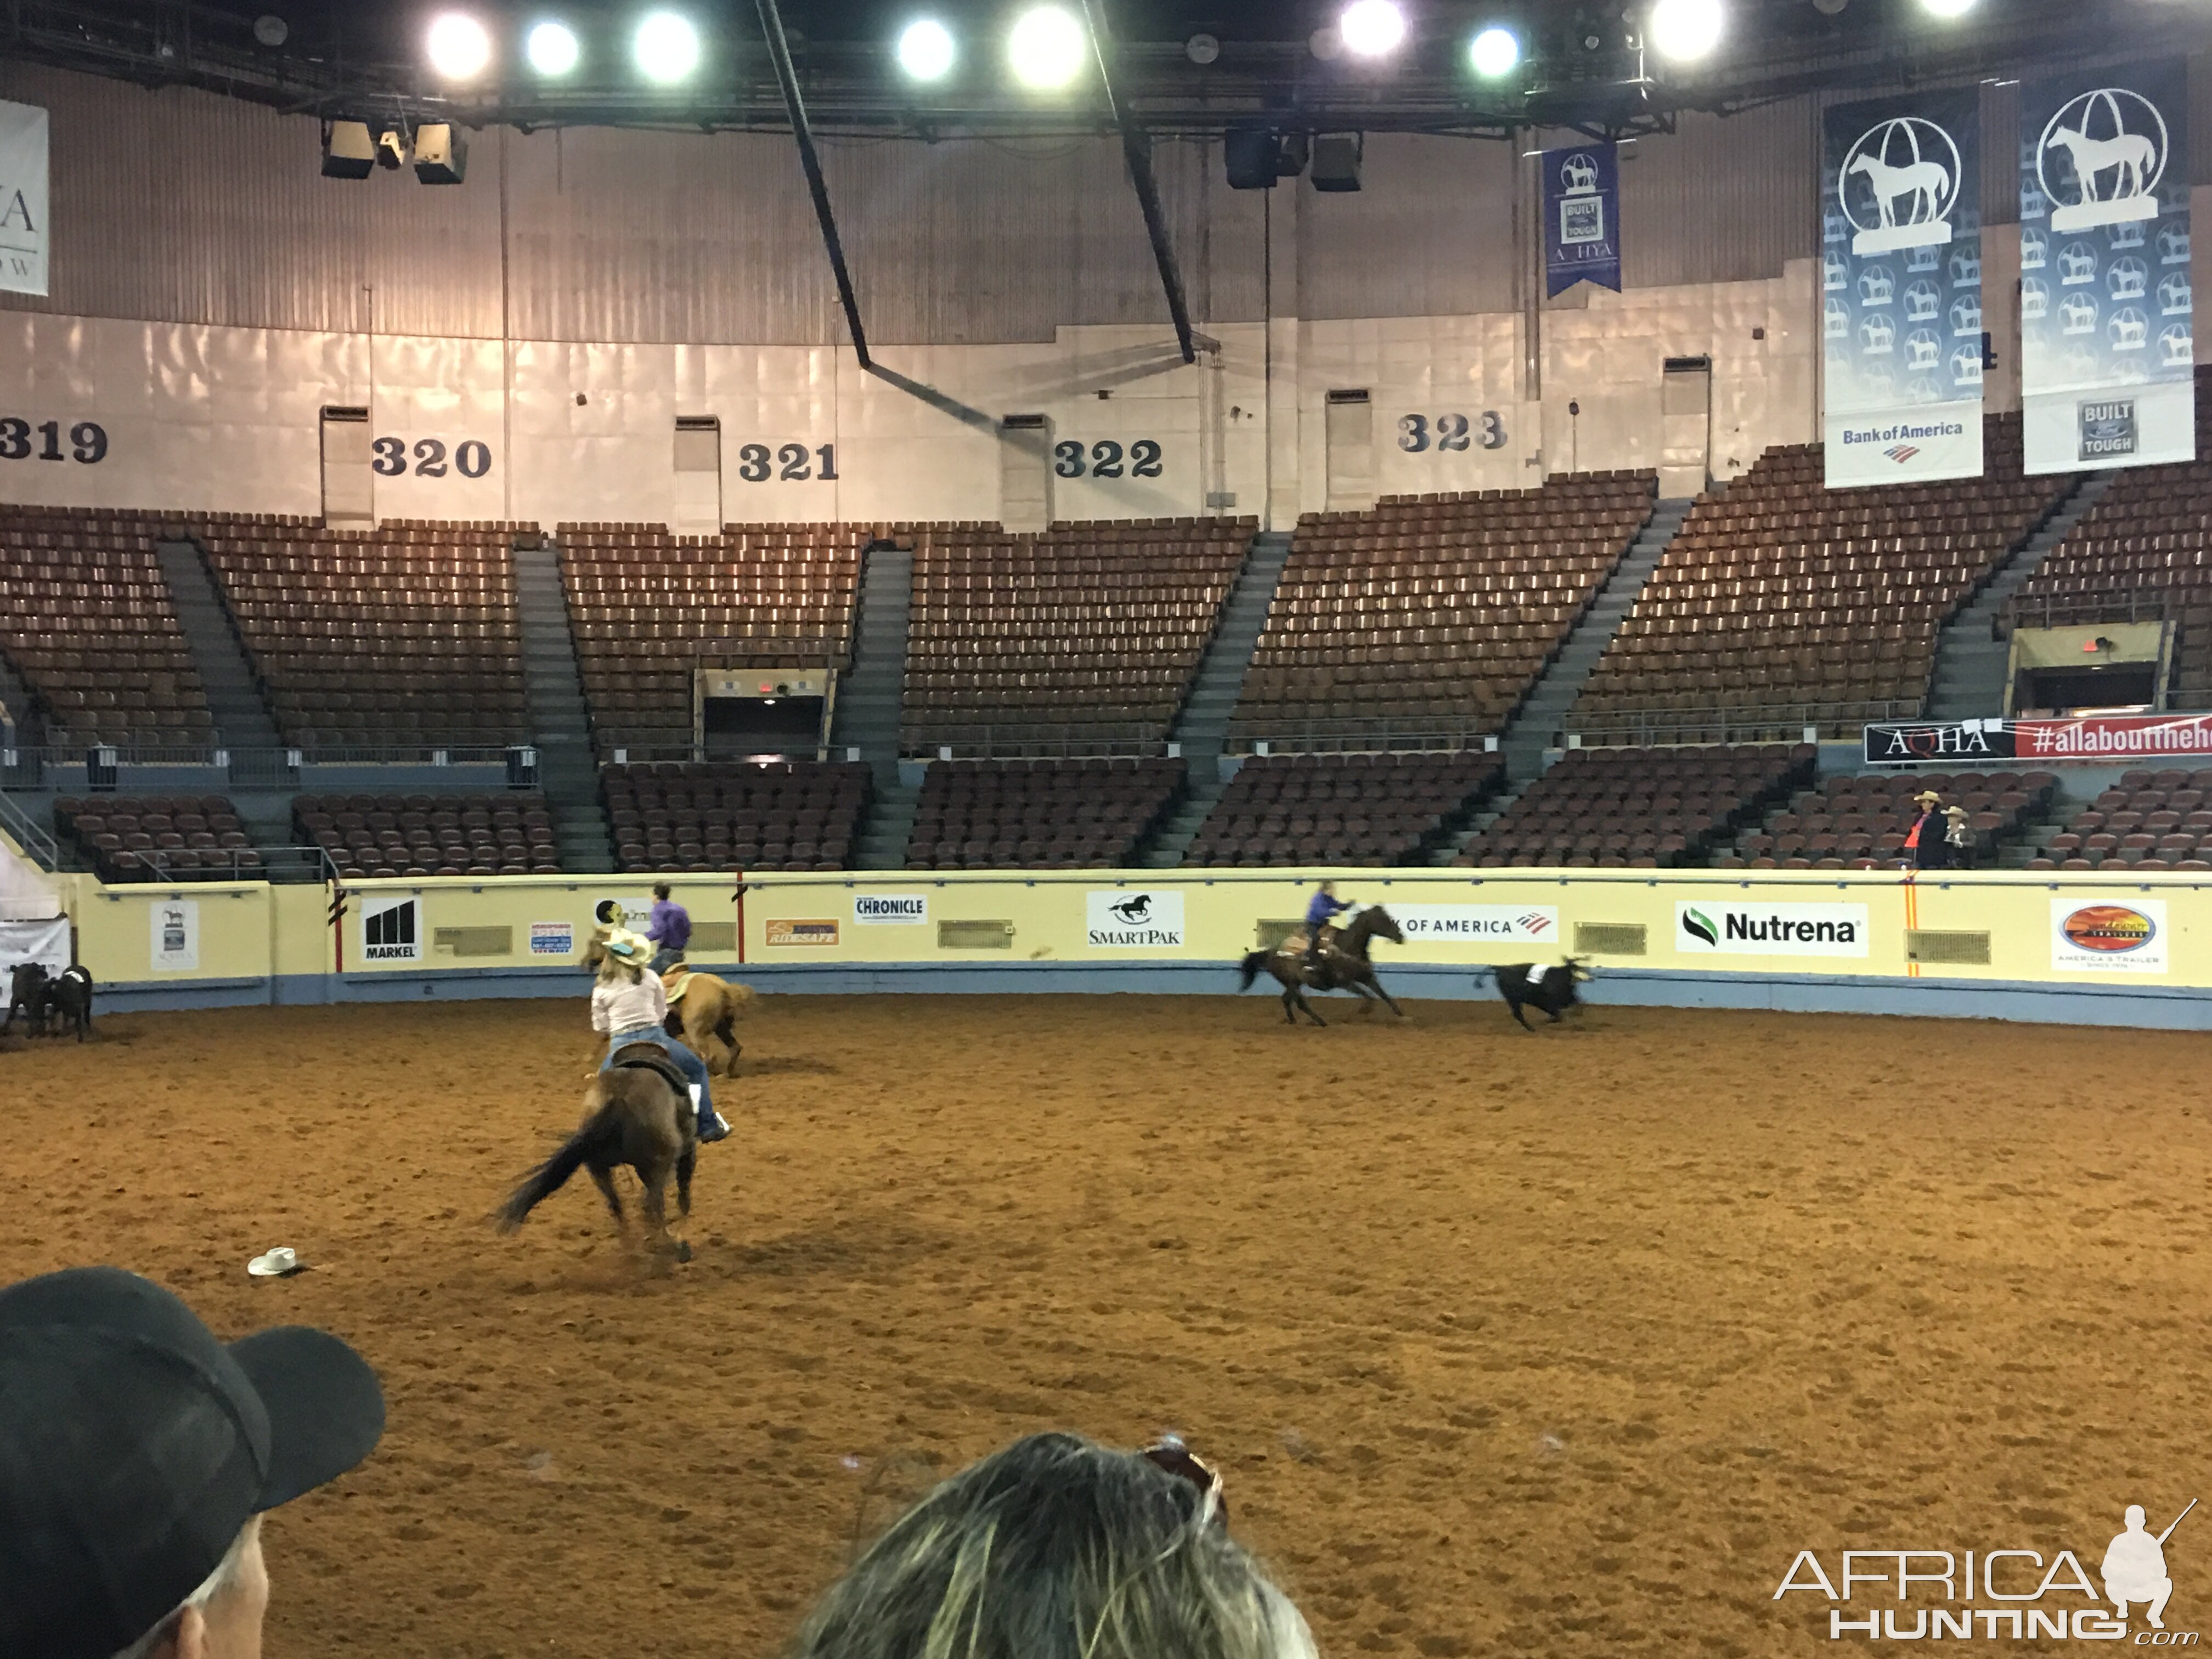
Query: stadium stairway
{"x": 1201, "y": 726}
{"x": 242, "y": 719}
{"x": 1536, "y": 723}
{"x": 869, "y": 700}
{"x": 553, "y": 692}
{"x": 15, "y": 709}
{"x": 1969, "y": 680}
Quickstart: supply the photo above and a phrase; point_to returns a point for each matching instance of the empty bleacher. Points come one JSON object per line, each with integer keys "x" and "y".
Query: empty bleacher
{"x": 1639, "y": 808}
{"x": 649, "y": 608}
{"x": 126, "y": 838}
{"x": 1040, "y": 814}
{"x": 406, "y": 635}
{"x": 87, "y": 622}
{"x": 1860, "y": 821}
{"x": 1784, "y": 603}
{"x": 2155, "y": 818}
{"x": 1433, "y": 614}
{"x": 427, "y": 834}
{"x": 1348, "y": 810}
{"x": 736, "y": 815}
{"x": 1085, "y": 637}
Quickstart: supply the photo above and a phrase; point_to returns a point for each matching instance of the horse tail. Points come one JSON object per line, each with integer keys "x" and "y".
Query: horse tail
{"x": 1250, "y": 968}
{"x": 548, "y": 1177}
{"x": 741, "y": 995}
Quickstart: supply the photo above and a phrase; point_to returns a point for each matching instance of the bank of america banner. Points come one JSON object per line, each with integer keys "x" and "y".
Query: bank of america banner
{"x": 1901, "y": 290}
{"x": 23, "y": 199}
{"x": 2088, "y": 738}
{"x": 1582, "y": 217}
{"x": 2105, "y": 355}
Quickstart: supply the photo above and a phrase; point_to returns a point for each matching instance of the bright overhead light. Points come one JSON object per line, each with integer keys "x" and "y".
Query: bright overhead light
{"x": 459, "y": 48}
{"x": 666, "y": 45}
{"x": 1948, "y": 8}
{"x": 925, "y": 52}
{"x": 1047, "y": 48}
{"x": 1372, "y": 28}
{"x": 552, "y": 49}
{"x": 1493, "y": 52}
{"x": 1685, "y": 30}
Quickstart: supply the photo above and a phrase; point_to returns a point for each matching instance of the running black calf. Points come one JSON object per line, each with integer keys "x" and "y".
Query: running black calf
{"x": 36, "y": 994}
{"x": 1549, "y": 989}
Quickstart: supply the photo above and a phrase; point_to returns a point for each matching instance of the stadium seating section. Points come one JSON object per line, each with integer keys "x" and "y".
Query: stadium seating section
{"x": 2163, "y": 819}
{"x": 504, "y": 835}
{"x": 1639, "y": 807}
{"x": 2144, "y": 550}
{"x": 1861, "y": 821}
{"x": 87, "y": 622}
{"x": 158, "y": 837}
{"x": 648, "y": 609}
{"x": 1782, "y": 604}
{"x": 1342, "y": 809}
{"x": 1434, "y": 613}
{"x": 1088, "y": 634}
{"x": 1040, "y": 814}
{"x": 404, "y": 634}
{"x": 734, "y": 816}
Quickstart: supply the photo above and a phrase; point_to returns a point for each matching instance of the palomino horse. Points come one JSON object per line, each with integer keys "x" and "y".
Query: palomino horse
{"x": 1344, "y": 966}
{"x": 703, "y": 1010}
{"x": 637, "y": 1112}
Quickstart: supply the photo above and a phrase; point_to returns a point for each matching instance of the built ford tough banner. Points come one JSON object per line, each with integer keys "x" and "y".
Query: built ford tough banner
{"x": 2089, "y": 738}
{"x": 1901, "y": 290}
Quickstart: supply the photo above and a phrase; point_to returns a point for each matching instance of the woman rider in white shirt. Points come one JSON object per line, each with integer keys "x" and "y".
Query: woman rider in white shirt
{"x": 628, "y": 1006}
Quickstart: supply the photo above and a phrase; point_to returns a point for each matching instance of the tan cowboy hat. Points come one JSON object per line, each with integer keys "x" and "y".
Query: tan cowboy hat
{"x": 627, "y": 946}
{"x": 1928, "y": 795}
{"x": 1954, "y": 812}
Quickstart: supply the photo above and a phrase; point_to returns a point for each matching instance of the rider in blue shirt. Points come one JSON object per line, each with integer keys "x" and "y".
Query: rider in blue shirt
{"x": 1320, "y": 910}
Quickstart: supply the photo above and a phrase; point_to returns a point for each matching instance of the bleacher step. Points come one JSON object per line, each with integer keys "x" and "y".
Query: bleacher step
{"x": 242, "y": 718}
{"x": 1201, "y": 724}
{"x": 872, "y": 697}
{"x": 560, "y": 720}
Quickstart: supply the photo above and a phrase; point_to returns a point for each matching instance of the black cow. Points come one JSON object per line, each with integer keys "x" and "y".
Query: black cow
{"x": 66, "y": 995}
{"x": 1524, "y": 985}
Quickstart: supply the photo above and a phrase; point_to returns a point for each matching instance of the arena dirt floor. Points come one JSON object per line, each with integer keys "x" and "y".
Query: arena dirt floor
{"x": 1550, "y": 1345}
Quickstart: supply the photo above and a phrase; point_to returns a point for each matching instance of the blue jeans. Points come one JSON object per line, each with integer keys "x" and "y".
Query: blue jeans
{"x": 686, "y": 1062}
{"x": 665, "y": 959}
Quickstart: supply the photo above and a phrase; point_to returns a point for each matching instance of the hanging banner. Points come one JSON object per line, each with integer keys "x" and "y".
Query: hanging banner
{"x": 23, "y": 232}
{"x": 1582, "y": 217}
{"x": 2105, "y": 357}
{"x": 47, "y": 942}
{"x": 2084, "y": 738}
{"x": 1901, "y": 290}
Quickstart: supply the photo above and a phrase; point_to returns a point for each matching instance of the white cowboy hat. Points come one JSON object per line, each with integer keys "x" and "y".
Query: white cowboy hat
{"x": 629, "y": 946}
{"x": 280, "y": 1263}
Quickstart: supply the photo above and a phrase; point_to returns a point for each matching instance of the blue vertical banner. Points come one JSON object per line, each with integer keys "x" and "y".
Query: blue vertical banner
{"x": 2106, "y": 360}
{"x": 1582, "y": 217}
{"x": 1901, "y": 290}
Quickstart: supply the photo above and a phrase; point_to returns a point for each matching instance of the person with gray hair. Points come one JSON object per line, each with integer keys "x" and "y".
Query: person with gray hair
{"x": 1059, "y": 1548}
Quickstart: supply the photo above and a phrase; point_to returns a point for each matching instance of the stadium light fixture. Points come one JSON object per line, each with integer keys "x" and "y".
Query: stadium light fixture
{"x": 1493, "y": 52}
{"x": 1948, "y": 9}
{"x": 926, "y": 50}
{"x": 1685, "y": 30}
{"x": 458, "y": 47}
{"x": 552, "y": 49}
{"x": 1047, "y": 49}
{"x": 1372, "y": 28}
{"x": 665, "y": 47}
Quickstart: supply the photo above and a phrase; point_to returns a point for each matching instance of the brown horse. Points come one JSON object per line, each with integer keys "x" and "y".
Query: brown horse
{"x": 637, "y": 1112}
{"x": 702, "y": 1011}
{"x": 1343, "y": 966}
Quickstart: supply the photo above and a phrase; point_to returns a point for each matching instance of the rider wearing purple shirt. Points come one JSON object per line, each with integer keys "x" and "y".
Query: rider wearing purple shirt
{"x": 669, "y": 927}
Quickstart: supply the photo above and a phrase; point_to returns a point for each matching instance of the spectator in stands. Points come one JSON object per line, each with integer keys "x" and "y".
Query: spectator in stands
{"x": 1923, "y": 842}
{"x": 630, "y": 1005}
{"x": 138, "y": 1455}
{"x": 1059, "y": 1548}
{"x": 669, "y": 927}
{"x": 1958, "y": 839}
{"x": 1321, "y": 909}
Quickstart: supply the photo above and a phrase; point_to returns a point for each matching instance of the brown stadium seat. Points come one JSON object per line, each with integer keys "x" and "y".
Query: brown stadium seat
{"x": 1433, "y": 614}
{"x": 158, "y": 837}
{"x": 648, "y": 607}
{"x": 1040, "y": 814}
{"x": 2144, "y": 552}
{"x": 1353, "y": 809}
{"x": 736, "y": 815}
{"x": 1088, "y": 634}
{"x": 1782, "y": 604}
{"x": 1864, "y": 819}
{"x": 1641, "y": 808}
{"x": 509, "y": 833}
{"x": 402, "y": 636}
{"x": 87, "y": 621}
{"x": 2158, "y": 819}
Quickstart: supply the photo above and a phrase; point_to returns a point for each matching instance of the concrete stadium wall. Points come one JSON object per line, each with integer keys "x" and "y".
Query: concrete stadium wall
{"x": 254, "y": 944}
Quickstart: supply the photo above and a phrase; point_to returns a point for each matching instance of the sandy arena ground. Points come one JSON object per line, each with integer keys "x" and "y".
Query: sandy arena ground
{"x": 1547, "y": 1345}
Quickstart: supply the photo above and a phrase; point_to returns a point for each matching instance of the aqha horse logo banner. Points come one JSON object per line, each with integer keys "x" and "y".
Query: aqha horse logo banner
{"x": 1582, "y": 217}
{"x": 1901, "y": 271}
{"x": 23, "y": 230}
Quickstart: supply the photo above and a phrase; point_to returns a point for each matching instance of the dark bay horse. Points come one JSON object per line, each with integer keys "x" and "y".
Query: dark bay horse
{"x": 1343, "y": 967}
{"x": 637, "y": 1112}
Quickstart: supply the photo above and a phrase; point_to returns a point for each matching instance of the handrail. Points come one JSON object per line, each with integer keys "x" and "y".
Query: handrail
{"x": 1137, "y": 738}
{"x": 133, "y": 752}
{"x": 2061, "y": 610}
{"x": 1352, "y": 734}
{"x": 1659, "y": 728}
{"x": 36, "y": 841}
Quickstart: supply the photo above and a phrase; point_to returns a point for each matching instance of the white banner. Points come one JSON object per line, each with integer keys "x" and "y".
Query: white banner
{"x": 2108, "y": 937}
{"x": 391, "y": 930}
{"x": 23, "y": 230}
{"x": 1133, "y": 919}
{"x": 892, "y": 909}
{"x": 1707, "y": 927}
{"x": 1484, "y": 924}
{"x": 1942, "y": 441}
{"x": 175, "y": 945}
{"x": 46, "y": 942}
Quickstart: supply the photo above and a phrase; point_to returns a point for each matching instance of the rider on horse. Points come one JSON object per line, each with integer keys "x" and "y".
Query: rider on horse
{"x": 669, "y": 927}
{"x": 628, "y": 1005}
{"x": 1321, "y": 909}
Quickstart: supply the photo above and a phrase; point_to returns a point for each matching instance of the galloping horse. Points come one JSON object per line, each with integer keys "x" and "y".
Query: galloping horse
{"x": 1343, "y": 967}
{"x": 637, "y": 1112}
{"x": 702, "y": 1011}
